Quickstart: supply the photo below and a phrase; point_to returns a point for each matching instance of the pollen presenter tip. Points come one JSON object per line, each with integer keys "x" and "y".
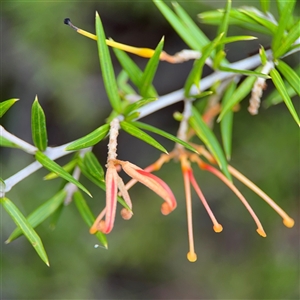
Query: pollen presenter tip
{"x": 165, "y": 209}
{"x": 126, "y": 214}
{"x": 93, "y": 230}
{"x": 218, "y": 228}
{"x": 289, "y": 222}
{"x": 261, "y": 232}
{"x": 192, "y": 256}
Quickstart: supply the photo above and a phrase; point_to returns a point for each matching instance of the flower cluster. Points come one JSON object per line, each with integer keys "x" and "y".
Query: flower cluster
{"x": 115, "y": 183}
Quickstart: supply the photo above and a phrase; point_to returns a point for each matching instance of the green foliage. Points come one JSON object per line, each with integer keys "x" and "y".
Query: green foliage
{"x": 56, "y": 168}
{"x": 88, "y": 216}
{"x": 240, "y": 93}
{"x": 107, "y": 67}
{"x": 226, "y": 123}
{"x": 93, "y": 166}
{"x": 89, "y": 140}
{"x": 184, "y": 26}
{"x": 164, "y": 134}
{"x": 150, "y": 70}
{"x": 275, "y": 97}
{"x": 196, "y": 73}
{"x": 25, "y": 227}
{"x": 40, "y": 214}
{"x": 210, "y": 141}
{"x": 136, "y": 132}
{"x": 133, "y": 71}
{"x": 7, "y": 143}
{"x": 279, "y": 84}
{"x": 132, "y": 81}
{"x": 38, "y": 126}
{"x": 6, "y": 105}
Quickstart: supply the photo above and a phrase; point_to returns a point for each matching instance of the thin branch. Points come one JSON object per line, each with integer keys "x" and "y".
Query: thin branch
{"x": 174, "y": 97}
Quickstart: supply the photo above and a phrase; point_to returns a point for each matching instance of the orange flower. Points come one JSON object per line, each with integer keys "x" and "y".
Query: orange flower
{"x": 115, "y": 183}
{"x": 185, "y": 158}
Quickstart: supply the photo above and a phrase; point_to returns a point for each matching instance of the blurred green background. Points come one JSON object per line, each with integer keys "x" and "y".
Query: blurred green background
{"x": 146, "y": 258}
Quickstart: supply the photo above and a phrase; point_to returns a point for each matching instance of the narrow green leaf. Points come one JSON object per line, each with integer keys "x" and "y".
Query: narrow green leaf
{"x": 150, "y": 70}
{"x": 281, "y": 5}
{"x": 227, "y": 121}
{"x": 132, "y": 116}
{"x": 265, "y": 4}
{"x": 244, "y": 72}
{"x": 88, "y": 216}
{"x": 209, "y": 139}
{"x": 38, "y": 126}
{"x": 275, "y": 98}
{"x": 93, "y": 166}
{"x": 91, "y": 139}
{"x": 279, "y": 84}
{"x": 138, "y": 104}
{"x": 134, "y": 131}
{"x": 238, "y": 38}
{"x": 26, "y": 228}
{"x": 290, "y": 75}
{"x": 285, "y": 15}
{"x": 107, "y": 67}
{"x": 181, "y": 28}
{"x": 56, "y": 168}
{"x": 6, "y": 105}
{"x": 164, "y": 134}
{"x": 122, "y": 81}
{"x": 196, "y": 72}
{"x": 7, "y": 143}
{"x": 218, "y": 59}
{"x": 55, "y": 217}
{"x": 202, "y": 95}
{"x": 287, "y": 42}
{"x": 223, "y": 27}
{"x": 239, "y": 94}
{"x": 69, "y": 167}
{"x": 41, "y": 213}
{"x": 235, "y": 18}
{"x": 134, "y": 72}
{"x": 193, "y": 29}
{"x": 260, "y": 19}
{"x": 263, "y": 55}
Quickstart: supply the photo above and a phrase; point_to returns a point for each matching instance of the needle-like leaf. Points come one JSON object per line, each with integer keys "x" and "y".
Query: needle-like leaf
{"x": 26, "y": 228}
{"x": 41, "y": 213}
{"x": 279, "y": 84}
{"x": 150, "y": 70}
{"x": 134, "y": 131}
{"x": 227, "y": 121}
{"x": 38, "y": 126}
{"x": 107, "y": 67}
{"x": 210, "y": 141}
{"x": 5, "y": 105}
{"x": 56, "y": 168}
{"x": 164, "y": 134}
{"x": 88, "y": 216}
{"x": 91, "y": 139}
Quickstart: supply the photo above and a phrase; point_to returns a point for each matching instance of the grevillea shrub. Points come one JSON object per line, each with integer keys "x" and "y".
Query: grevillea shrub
{"x": 195, "y": 145}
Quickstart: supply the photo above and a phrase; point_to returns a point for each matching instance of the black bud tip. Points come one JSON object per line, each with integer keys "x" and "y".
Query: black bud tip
{"x": 67, "y": 21}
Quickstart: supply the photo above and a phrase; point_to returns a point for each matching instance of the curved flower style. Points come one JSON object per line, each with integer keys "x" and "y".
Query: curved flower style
{"x": 114, "y": 183}
{"x": 185, "y": 159}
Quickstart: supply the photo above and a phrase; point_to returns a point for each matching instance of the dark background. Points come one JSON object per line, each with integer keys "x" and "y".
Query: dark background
{"x": 146, "y": 258}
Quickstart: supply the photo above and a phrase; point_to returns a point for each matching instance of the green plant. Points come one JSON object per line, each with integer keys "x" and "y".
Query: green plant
{"x": 218, "y": 93}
